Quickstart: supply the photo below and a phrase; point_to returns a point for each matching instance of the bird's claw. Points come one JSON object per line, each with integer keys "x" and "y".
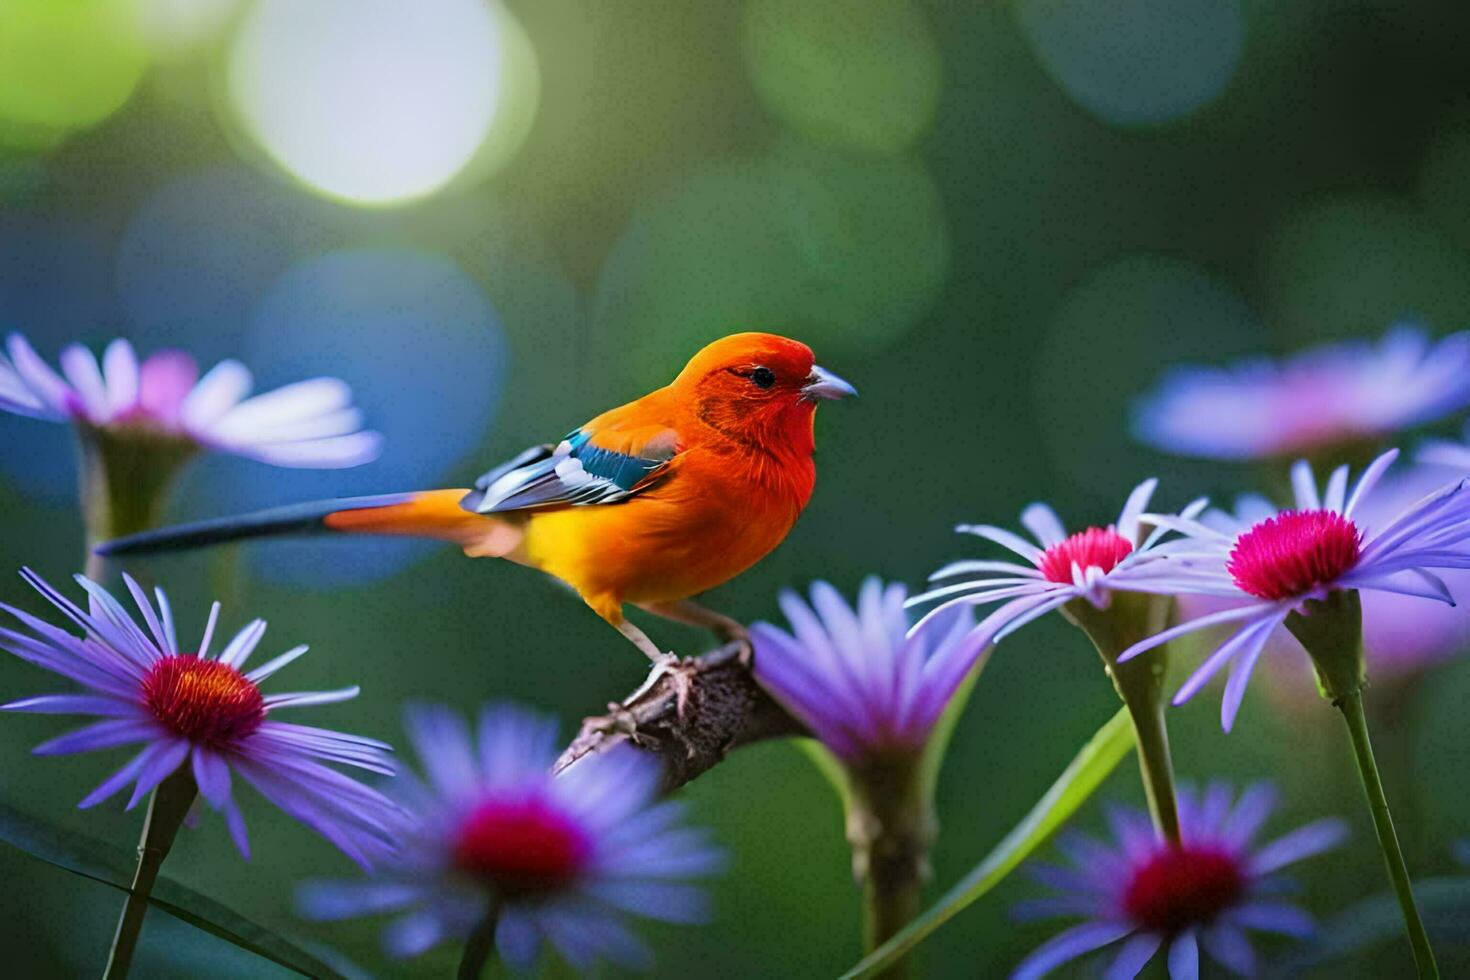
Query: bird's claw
{"x": 665, "y": 663}
{"x": 618, "y": 721}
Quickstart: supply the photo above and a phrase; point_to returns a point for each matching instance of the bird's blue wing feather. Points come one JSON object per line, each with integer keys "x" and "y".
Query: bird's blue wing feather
{"x": 573, "y": 473}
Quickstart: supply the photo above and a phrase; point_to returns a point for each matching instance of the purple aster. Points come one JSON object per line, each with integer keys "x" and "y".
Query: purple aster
{"x": 309, "y": 424}
{"x": 562, "y": 860}
{"x": 1060, "y": 567}
{"x": 1403, "y": 636}
{"x": 1271, "y": 562}
{"x": 191, "y": 709}
{"x": 1327, "y": 396}
{"x": 1151, "y": 896}
{"x": 864, "y": 682}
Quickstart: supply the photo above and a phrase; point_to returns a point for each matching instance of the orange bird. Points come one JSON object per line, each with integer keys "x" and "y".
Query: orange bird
{"x": 650, "y": 503}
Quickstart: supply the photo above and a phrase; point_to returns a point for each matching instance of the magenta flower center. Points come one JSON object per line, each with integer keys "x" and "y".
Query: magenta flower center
{"x": 1095, "y": 547}
{"x": 204, "y": 701}
{"x": 1294, "y": 553}
{"x": 1183, "y": 886}
{"x": 521, "y": 847}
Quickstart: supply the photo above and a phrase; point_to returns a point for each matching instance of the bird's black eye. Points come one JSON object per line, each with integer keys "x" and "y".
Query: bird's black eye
{"x": 763, "y": 377}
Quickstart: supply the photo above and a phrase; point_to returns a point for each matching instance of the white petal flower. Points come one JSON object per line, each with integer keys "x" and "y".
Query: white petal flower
{"x": 310, "y": 424}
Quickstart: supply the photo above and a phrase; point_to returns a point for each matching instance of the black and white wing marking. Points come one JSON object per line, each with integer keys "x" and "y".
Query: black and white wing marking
{"x": 573, "y": 473}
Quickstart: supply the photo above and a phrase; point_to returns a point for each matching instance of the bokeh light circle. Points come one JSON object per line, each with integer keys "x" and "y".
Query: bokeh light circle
{"x": 864, "y": 75}
{"x": 175, "y": 28}
{"x": 1352, "y": 265}
{"x": 64, "y": 65}
{"x": 1137, "y": 62}
{"x": 424, "y": 352}
{"x": 380, "y": 102}
{"x": 200, "y": 250}
{"x": 845, "y": 253}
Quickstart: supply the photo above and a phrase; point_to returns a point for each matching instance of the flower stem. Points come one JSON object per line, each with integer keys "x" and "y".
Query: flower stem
{"x": 890, "y": 901}
{"x": 125, "y": 482}
{"x": 891, "y": 826}
{"x": 166, "y": 812}
{"x": 479, "y": 946}
{"x": 1154, "y": 762}
{"x": 1140, "y": 684}
{"x": 1351, "y": 704}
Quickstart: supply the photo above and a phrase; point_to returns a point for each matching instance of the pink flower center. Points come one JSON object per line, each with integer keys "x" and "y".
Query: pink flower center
{"x": 1294, "y": 553}
{"x": 1095, "y": 547}
{"x": 203, "y": 700}
{"x": 1183, "y": 886}
{"x": 521, "y": 846}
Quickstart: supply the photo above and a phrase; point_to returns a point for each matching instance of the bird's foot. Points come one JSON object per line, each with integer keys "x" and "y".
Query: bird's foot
{"x": 664, "y": 663}
{"x": 618, "y": 721}
{"x": 746, "y": 649}
{"x": 729, "y": 632}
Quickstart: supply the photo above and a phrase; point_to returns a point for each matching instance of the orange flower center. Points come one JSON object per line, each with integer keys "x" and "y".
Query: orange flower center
{"x": 204, "y": 701}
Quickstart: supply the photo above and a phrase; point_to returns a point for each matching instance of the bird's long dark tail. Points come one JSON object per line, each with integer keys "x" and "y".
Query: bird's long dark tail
{"x": 422, "y": 514}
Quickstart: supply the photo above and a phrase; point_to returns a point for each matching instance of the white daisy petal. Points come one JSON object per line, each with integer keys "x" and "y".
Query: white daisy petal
{"x": 1044, "y": 523}
{"x": 1134, "y": 507}
{"x": 1004, "y": 538}
{"x": 1369, "y": 480}
{"x": 38, "y": 377}
{"x": 1304, "y": 486}
{"x": 81, "y": 369}
{"x": 120, "y": 371}
{"x": 1336, "y": 494}
{"x": 215, "y": 394}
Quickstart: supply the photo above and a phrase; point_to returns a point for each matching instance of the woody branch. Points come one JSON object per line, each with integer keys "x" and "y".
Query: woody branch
{"x": 693, "y": 716}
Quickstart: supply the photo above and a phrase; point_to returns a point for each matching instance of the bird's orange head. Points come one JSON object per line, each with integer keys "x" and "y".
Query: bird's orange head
{"x": 759, "y": 389}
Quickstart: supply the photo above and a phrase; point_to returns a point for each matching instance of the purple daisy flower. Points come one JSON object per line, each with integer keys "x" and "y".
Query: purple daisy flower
{"x": 195, "y": 710}
{"x": 1403, "y": 636}
{"x": 562, "y": 860}
{"x": 1151, "y": 895}
{"x": 310, "y": 424}
{"x": 1326, "y": 396}
{"x": 864, "y": 682}
{"x": 1089, "y": 565}
{"x": 1271, "y": 562}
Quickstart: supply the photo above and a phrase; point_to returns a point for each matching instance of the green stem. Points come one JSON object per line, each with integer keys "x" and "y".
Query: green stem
{"x": 1140, "y": 685}
{"x": 1351, "y": 704}
{"x": 891, "y": 826}
{"x": 479, "y": 946}
{"x": 125, "y": 477}
{"x": 891, "y": 899}
{"x": 1395, "y": 718}
{"x": 1154, "y": 762}
{"x": 166, "y": 812}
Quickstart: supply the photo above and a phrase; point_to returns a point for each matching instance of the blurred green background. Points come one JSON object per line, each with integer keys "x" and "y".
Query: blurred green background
{"x": 1000, "y": 221}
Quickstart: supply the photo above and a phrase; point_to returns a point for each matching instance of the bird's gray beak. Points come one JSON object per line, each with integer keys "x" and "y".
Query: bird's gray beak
{"x": 822, "y": 383}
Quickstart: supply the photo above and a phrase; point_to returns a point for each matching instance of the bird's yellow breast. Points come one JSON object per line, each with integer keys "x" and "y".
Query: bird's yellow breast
{"x": 700, "y": 528}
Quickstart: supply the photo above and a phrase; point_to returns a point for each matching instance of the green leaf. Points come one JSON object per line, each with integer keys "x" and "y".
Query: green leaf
{"x": 1376, "y": 921}
{"x": 1098, "y": 758}
{"x": 112, "y": 866}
